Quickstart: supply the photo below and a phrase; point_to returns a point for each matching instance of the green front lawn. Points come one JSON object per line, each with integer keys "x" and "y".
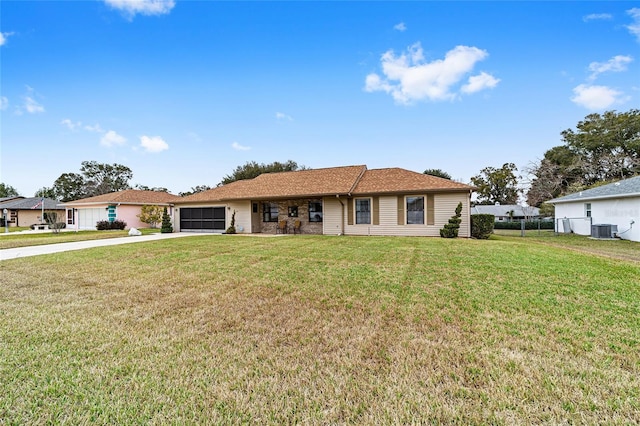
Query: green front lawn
{"x": 320, "y": 330}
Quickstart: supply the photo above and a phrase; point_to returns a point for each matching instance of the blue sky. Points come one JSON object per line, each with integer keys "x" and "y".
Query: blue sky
{"x": 182, "y": 92}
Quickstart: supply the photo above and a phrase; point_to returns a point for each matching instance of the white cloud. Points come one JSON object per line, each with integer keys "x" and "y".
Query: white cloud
{"x": 616, "y": 64}
{"x": 144, "y": 7}
{"x": 111, "y": 138}
{"x": 596, "y": 97}
{"x": 153, "y": 143}
{"x": 32, "y": 106}
{"x": 400, "y": 27}
{"x": 283, "y": 116}
{"x": 4, "y": 103}
{"x": 597, "y": 17}
{"x": 239, "y": 147}
{"x": 480, "y": 82}
{"x": 4, "y": 37}
{"x": 634, "y": 28}
{"x": 70, "y": 124}
{"x": 409, "y": 77}
{"x": 95, "y": 128}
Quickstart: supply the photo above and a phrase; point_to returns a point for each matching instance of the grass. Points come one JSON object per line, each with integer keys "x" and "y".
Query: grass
{"x": 13, "y": 240}
{"x": 321, "y": 330}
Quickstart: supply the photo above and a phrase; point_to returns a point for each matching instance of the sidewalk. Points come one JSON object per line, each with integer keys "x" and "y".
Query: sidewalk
{"x": 15, "y": 253}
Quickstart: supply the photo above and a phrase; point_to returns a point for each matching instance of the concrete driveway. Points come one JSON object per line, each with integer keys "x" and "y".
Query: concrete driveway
{"x": 15, "y": 253}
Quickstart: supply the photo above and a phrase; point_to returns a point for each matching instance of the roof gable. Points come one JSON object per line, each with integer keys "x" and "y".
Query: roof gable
{"x": 622, "y": 189}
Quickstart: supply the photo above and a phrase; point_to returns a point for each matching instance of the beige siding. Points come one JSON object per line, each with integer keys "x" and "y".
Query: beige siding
{"x": 30, "y": 217}
{"x": 243, "y": 216}
{"x": 445, "y": 205}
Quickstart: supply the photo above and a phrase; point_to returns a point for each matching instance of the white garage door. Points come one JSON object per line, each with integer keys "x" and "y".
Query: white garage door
{"x": 87, "y": 218}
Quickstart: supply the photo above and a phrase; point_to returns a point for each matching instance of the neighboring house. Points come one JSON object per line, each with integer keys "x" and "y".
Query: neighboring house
{"x": 507, "y": 212}
{"x": 615, "y": 204}
{"x": 350, "y": 200}
{"x": 122, "y": 205}
{"x": 23, "y": 211}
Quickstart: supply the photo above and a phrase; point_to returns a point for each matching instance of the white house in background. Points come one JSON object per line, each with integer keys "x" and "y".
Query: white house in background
{"x": 507, "y": 212}
{"x": 613, "y": 204}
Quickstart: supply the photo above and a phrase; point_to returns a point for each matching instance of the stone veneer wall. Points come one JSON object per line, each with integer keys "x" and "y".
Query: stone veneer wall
{"x": 306, "y": 227}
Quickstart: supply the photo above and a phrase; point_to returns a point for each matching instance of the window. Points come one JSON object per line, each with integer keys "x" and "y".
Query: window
{"x": 587, "y": 209}
{"x": 415, "y": 210}
{"x": 254, "y": 207}
{"x": 293, "y": 211}
{"x": 315, "y": 211}
{"x": 270, "y": 212}
{"x": 363, "y": 211}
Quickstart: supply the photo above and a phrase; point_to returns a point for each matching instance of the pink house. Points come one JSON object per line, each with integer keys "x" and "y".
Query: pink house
{"x": 122, "y": 205}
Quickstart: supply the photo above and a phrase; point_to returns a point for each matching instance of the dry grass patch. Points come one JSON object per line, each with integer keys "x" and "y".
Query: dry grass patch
{"x": 320, "y": 330}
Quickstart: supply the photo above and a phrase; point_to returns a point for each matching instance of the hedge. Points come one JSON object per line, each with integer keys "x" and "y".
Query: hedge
{"x": 530, "y": 224}
{"x": 482, "y": 225}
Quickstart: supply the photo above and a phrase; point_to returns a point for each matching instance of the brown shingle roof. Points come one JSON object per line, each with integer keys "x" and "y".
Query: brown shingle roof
{"x": 302, "y": 183}
{"x": 129, "y": 196}
{"x": 396, "y": 180}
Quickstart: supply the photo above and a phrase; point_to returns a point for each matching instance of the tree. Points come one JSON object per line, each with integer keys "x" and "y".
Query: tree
{"x": 252, "y": 169}
{"x": 609, "y": 145}
{"x": 560, "y": 169}
{"x": 46, "y": 192}
{"x": 497, "y": 185}
{"x": 195, "y": 190}
{"x": 151, "y": 215}
{"x": 104, "y": 178}
{"x": 69, "y": 187}
{"x": 437, "y": 173}
{"x": 166, "y": 228}
{"x": 94, "y": 179}
{"x": 602, "y": 148}
{"x": 8, "y": 191}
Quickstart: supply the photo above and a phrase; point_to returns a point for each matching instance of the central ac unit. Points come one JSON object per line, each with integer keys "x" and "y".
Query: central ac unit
{"x": 603, "y": 231}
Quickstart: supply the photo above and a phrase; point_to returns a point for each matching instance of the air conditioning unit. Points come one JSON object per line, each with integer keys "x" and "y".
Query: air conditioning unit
{"x": 604, "y": 231}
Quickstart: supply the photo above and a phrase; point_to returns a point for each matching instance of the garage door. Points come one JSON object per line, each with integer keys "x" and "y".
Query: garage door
{"x": 208, "y": 219}
{"x": 87, "y": 218}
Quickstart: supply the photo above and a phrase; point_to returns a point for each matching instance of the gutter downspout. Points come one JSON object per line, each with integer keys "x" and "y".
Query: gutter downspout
{"x": 342, "y": 215}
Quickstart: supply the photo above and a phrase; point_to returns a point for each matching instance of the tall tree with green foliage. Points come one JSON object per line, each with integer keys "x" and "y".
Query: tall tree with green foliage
{"x": 252, "y": 169}
{"x": 438, "y": 173}
{"x": 94, "y": 179}
{"x": 104, "y": 178}
{"x": 8, "y": 191}
{"x": 497, "y": 185}
{"x": 603, "y": 148}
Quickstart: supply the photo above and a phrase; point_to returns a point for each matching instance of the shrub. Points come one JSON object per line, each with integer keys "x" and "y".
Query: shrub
{"x": 450, "y": 229}
{"x": 232, "y": 228}
{"x": 105, "y": 225}
{"x": 482, "y": 225}
{"x": 166, "y": 228}
{"x": 150, "y": 215}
